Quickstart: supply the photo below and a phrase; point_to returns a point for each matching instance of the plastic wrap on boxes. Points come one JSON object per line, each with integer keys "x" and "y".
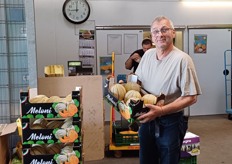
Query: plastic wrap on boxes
{"x": 54, "y": 71}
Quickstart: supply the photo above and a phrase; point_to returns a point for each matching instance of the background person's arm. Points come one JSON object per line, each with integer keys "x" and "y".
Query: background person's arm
{"x": 129, "y": 63}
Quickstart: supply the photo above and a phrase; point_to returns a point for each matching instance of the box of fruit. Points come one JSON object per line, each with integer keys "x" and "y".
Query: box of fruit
{"x": 53, "y": 154}
{"x": 41, "y": 106}
{"x": 130, "y": 98}
{"x": 49, "y": 131}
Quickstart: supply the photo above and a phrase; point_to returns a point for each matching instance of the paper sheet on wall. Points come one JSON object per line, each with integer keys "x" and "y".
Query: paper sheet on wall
{"x": 114, "y": 44}
{"x": 83, "y": 43}
{"x": 87, "y": 52}
{"x": 130, "y": 43}
{"x": 87, "y": 61}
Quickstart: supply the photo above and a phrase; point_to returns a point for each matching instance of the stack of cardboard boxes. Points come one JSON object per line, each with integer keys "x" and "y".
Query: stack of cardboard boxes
{"x": 51, "y": 131}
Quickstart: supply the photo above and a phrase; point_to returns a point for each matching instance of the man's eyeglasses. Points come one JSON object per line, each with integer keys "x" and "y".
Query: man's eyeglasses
{"x": 162, "y": 30}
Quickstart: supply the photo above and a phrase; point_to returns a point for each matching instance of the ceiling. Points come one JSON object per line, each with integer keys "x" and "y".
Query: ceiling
{"x": 141, "y": 0}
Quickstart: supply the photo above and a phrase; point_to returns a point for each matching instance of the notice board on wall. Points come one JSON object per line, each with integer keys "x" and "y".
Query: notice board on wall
{"x": 87, "y": 44}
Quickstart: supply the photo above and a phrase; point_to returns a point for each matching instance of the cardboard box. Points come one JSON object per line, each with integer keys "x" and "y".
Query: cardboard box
{"x": 52, "y": 155}
{"x": 38, "y": 133}
{"x": 191, "y": 145}
{"x": 5, "y": 131}
{"x": 92, "y": 105}
{"x": 48, "y": 109}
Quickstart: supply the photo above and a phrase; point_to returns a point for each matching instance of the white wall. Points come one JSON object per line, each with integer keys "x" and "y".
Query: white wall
{"x": 142, "y": 12}
{"x": 55, "y": 38}
{"x": 56, "y": 41}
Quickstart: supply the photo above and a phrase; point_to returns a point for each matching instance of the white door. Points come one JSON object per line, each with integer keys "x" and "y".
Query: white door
{"x": 210, "y": 66}
{"x": 119, "y": 40}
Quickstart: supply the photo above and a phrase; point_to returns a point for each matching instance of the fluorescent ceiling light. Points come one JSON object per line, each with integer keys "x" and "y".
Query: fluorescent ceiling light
{"x": 207, "y": 3}
{"x": 206, "y": 0}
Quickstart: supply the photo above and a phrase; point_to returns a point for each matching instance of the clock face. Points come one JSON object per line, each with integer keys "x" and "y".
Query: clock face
{"x": 76, "y": 11}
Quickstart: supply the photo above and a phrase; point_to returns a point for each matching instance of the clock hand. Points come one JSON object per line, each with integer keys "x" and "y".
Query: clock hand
{"x": 76, "y": 6}
{"x": 71, "y": 10}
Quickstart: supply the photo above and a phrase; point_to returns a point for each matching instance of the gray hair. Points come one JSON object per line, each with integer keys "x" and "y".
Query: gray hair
{"x": 159, "y": 18}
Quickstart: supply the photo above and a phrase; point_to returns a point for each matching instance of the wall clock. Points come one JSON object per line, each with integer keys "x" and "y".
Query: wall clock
{"x": 76, "y": 11}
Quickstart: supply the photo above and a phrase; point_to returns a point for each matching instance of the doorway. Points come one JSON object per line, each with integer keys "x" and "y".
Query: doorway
{"x": 209, "y": 66}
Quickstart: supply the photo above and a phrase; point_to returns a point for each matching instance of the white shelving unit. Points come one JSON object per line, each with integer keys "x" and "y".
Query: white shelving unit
{"x": 228, "y": 81}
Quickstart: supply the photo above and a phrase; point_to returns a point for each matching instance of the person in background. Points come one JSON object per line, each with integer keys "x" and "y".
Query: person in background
{"x": 135, "y": 57}
{"x": 168, "y": 70}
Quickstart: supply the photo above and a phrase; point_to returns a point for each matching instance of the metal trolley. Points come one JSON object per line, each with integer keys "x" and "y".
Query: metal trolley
{"x": 120, "y": 142}
{"x": 228, "y": 81}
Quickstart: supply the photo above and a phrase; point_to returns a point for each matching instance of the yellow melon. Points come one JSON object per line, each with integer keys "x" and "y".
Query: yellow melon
{"x": 118, "y": 91}
{"x": 149, "y": 99}
{"x": 54, "y": 99}
{"x": 132, "y": 86}
{"x": 132, "y": 93}
{"x": 39, "y": 99}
